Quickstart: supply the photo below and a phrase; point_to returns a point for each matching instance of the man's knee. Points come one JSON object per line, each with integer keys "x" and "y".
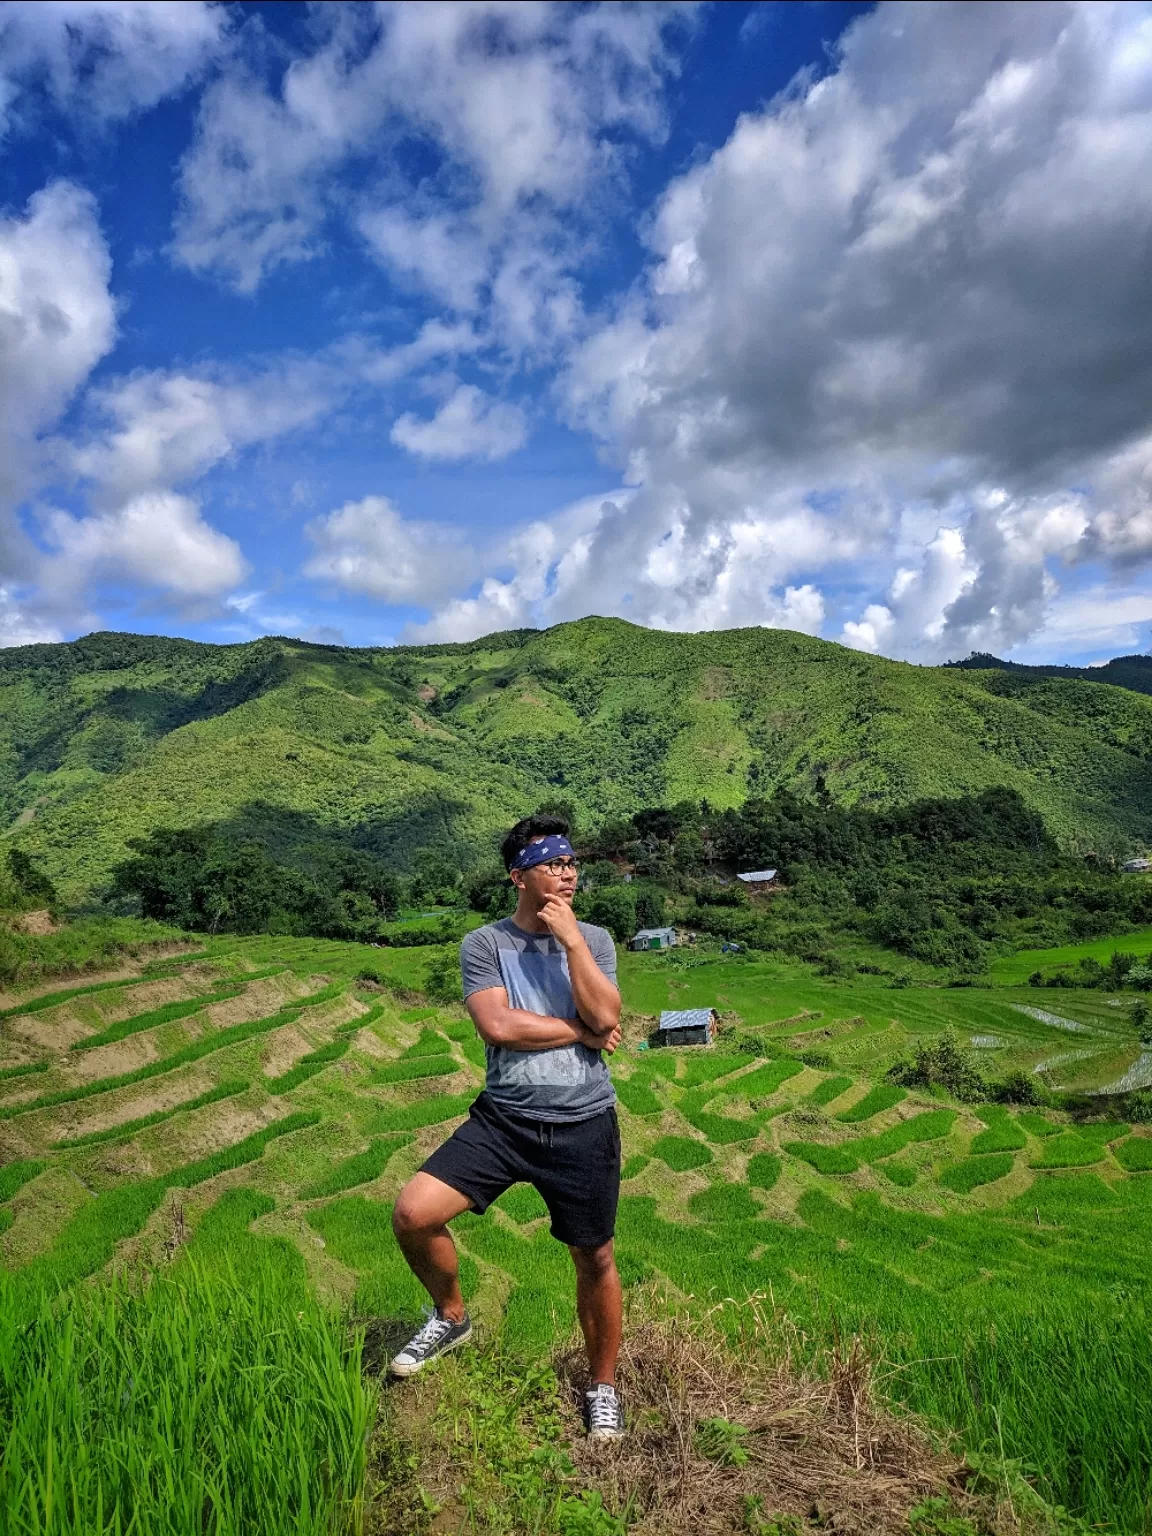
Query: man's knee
{"x": 409, "y": 1215}
{"x": 594, "y": 1263}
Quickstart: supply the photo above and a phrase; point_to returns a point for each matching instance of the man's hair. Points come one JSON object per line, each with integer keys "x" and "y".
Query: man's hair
{"x": 527, "y": 831}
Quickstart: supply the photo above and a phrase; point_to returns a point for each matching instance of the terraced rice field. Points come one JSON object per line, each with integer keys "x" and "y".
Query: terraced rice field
{"x": 259, "y": 1092}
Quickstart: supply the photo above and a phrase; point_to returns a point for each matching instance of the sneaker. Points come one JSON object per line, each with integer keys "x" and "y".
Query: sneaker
{"x": 437, "y": 1337}
{"x": 603, "y": 1413}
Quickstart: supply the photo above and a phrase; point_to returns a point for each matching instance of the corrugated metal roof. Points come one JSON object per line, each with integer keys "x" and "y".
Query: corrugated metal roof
{"x": 686, "y": 1018}
{"x": 654, "y": 933}
{"x": 758, "y": 875}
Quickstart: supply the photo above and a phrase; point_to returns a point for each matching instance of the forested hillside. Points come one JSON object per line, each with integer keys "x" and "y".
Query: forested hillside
{"x": 394, "y": 750}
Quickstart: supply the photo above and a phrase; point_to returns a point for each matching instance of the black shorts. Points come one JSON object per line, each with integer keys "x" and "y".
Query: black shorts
{"x": 575, "y": 1164}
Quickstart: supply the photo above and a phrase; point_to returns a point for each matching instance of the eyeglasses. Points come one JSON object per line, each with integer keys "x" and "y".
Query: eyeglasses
{"x": 559, "y": 866}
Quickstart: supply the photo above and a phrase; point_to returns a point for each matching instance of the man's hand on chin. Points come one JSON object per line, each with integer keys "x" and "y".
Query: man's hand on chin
{"x": 561, "y": 921}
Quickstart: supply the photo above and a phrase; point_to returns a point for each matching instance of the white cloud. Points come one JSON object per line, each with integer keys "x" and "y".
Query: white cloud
{"x": 366, "y": 546}
{"x": 111, "y": 58}
{"x": 20, "y": 626}
{"x": 158, "y": 540}
{"x": 519, "y": 112}
{"x": 160, "y": 428}
{"x": 469, "y": 425}
{"x": 912, "y": 295}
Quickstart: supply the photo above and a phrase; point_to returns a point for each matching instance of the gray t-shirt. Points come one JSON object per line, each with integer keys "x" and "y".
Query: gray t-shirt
{"x": 570, "y": 1082}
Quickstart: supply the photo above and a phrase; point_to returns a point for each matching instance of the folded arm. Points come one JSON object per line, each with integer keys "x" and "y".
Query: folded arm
{"x": 518, "y": 1030}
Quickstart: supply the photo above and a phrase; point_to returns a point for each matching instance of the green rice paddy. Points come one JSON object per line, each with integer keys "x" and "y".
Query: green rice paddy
{"x": 994, "y": 1258}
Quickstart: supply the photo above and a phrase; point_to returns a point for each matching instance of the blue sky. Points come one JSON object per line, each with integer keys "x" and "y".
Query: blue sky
{"x": 377, "y": 323}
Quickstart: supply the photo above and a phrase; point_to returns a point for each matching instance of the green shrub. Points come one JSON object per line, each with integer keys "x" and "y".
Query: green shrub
{"x": 942, "y": 1063}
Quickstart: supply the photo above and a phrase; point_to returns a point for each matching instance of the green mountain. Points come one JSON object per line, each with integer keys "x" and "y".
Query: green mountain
{"x": 1134, "y": 672}
{"x": 105, "y": 738}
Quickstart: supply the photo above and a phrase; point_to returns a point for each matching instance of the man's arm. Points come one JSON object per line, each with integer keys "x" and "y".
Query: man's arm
{"x": 597, "y": 996}
{"x": 518, "y": 1030}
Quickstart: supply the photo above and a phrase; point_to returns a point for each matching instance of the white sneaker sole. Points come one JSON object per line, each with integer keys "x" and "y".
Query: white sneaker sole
{"x": 606, "y": 1434}
{"x": 398, "y": 1367}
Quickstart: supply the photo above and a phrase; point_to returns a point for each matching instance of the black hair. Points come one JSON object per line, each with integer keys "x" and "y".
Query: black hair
{"x": 526, "y": 831}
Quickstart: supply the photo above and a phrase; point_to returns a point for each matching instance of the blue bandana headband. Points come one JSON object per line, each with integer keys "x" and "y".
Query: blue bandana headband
{"x": 540, "y": 852}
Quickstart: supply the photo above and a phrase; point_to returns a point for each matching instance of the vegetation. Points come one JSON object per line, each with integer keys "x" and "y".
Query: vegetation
{"x": 958, "y": 1239}
{"x": 310, "y": 751}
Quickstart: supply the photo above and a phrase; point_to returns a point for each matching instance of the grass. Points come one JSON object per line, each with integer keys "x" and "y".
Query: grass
{"x": 931, "y": 1126}
{"x": 1003, "y": 1134}
{"x": 195, "y": 1051}
{"x": 421, "y": 1066}
{"x": 25, "y": 1069}
{"x": 1068, "y": 1151}
{"x": 13, "y": 1176}
{"x": 198, "y": 1403}
{"x": 1135, "y": 1154}
{"x": 362, "y": 1168}
{"x": 168, "y": 1014}
{"x": 824, "y": 1159}
{"x": 681, "y": 1153}
{"x": 225, "y": 1090}
{"x": 959, "y": 1298}
{"x": 964, "y": 1177}
{"x": 831, "y": 1088}
{"x": 410, "y": 1117}
{"x": 723, "y": 1203}
{"x": 635, "y": 1093}
{"x": 763, "y": 1170}
{"x": 875, "y": 1101}
{"x": 308, "y": 1066}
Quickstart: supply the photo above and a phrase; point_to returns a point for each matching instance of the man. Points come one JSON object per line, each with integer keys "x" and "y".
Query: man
{"x": 541, "y": 990}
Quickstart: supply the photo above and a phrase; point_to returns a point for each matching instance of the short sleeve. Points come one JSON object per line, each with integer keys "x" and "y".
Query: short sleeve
{"x": 603, "y": 950}
{"x": 480, "y": 961}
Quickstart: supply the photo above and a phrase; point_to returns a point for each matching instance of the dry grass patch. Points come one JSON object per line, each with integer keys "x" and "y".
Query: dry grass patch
{"x": 166, "y": 1094}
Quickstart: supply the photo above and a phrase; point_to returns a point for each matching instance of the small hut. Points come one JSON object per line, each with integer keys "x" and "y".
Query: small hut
{"x": 758, "y": 880}
{"x": 687, "y": 1026}
{"x": 1137, "y": 866}
{"x": 654, "y": 938}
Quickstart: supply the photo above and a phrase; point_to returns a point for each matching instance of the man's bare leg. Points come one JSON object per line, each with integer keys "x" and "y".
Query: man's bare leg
{"x": 600, "y": 1305}
{"x": 420, "y": 1221}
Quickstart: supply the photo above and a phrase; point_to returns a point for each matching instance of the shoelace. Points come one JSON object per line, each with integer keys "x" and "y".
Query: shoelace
{"x": 431, "y": 1333}
{"x": 603, "y": 1410}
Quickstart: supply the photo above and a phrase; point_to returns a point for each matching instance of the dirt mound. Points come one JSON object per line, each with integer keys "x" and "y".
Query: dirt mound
{"x": 38, "y": 924}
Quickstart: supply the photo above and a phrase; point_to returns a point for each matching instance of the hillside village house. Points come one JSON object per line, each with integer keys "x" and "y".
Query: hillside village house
{"x": 688, "y": 1026}
{"x": 654, "y": 938}
{"x": 1136, "y": 866}
{"x": 758, "y": 880}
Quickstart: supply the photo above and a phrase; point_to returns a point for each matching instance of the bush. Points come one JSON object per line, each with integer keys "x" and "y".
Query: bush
{"x": 614, "y": 908}
{"x": 941, "y": 1063}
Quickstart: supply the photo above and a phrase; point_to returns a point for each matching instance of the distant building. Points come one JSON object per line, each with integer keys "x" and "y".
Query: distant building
{"x": 1136, "y": 866}
{"x": 687, "y": 1026}
{"x": 654, "y": 938}
{"x": 758, "y": 879}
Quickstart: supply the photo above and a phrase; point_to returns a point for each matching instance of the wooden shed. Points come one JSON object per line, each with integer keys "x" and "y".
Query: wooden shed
{"x": 687, "y": 1026}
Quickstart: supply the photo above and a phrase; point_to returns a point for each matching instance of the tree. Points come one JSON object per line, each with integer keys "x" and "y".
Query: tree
{"x": 649, "y": 907}
{"x": 614, "y": 908}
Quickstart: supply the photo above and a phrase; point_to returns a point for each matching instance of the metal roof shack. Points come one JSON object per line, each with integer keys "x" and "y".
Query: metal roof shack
{"x": 687, "y": 1026}
{"x": 758, "y": 877}
{"x": 1136, "y": 866}
{"x": 654, "y": 938}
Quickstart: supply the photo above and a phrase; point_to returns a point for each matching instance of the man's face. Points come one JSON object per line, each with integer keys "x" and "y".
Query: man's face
{"x": 541, "y": 883}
